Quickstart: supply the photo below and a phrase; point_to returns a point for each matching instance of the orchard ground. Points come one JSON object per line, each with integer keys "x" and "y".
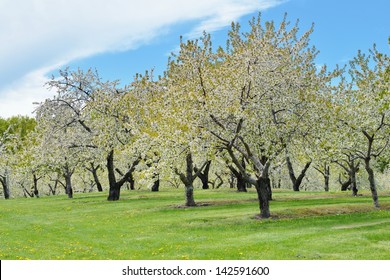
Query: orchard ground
{"x": 156, "y": 225}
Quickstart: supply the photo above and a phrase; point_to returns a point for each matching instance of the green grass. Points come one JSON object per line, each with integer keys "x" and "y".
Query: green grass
{"x": 146, "y": 225}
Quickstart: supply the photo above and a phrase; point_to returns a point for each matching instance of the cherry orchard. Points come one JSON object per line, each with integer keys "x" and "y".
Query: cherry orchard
{"x": 249, "y": 108}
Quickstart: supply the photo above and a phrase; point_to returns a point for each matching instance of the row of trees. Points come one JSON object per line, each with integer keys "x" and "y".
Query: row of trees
{"x": 256, "y": 105}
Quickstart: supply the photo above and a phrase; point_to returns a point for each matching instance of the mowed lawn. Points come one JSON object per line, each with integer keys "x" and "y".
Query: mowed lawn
{"x": 146, "y": 225}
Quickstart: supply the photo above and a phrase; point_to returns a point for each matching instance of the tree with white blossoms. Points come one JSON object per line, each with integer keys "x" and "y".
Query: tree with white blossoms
{"x": 108, "y": 121}
{"x": 60, "y": 143}
{"x": 28, "y": 167}
{"x": 317, "y": 137}
{"x": 251, "y": 97}
{"x": 173, "y": 125}
{"x": 363, "y": 111}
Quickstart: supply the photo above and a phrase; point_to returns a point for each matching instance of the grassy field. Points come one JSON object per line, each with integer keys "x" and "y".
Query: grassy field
{"x": 146, "y": 225}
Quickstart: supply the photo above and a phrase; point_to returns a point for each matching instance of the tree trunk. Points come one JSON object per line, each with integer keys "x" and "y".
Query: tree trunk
{"x": 96, "y": 177}
{"x": 345, "y": 185}
{"x": 302, "y": 175}
{"x": 325, "y": 172}
{"x": 241, "y": 183}
{"x": 189, "y": 188}
{"x": 326, "y": 177}
{"x": 6, "y": 191}
{"x": 269, "y": 190}
{"x": 35, "y": 186}
{"x": 188, "y": 178}
{"x": 215, "y": 184}
{"x": 353, "y": 182}
{"x": 371, "y": 179}
{"x": 68, "y": 184}
{"x": 189, "y": 192}
{"x": 53, "y": 189}
{"x": 204, "y": 176}
{"x": 156, "y": 185}
{"x": 114, "y": 191}
{"x": 4, "y": 182}
{"x": 26, "y": 193}
{"x": 353, "y": 169}
{"x": 131, "y": 182}
{"x": 130, "y": 179}
{"x": 114, "y": 185}
{"x": 296, "y": 181}
{"x": 263, "y": 187}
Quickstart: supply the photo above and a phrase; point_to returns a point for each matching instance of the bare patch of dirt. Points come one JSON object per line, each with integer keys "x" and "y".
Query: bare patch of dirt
{"x": 215, "y": 203}
{"x": 197, "y": 205}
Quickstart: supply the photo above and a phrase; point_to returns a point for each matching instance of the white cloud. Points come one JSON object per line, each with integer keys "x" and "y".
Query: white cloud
{"x": 226, "y": 14}
{"x": 39, "y": 35}
{"x": 18, "y": 99}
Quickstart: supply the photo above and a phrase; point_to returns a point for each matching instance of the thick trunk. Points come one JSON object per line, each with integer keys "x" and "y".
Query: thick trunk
{"x": 262, "y": 183}
{"x": 189, "y": 192}
{"x": 241, "y": 183}
{"x": 114, "y": 191}
{"x": 68, "y": 185}
{"x": 263, "y": 188}
{"x": 205, "y": 181}
{"x": 302, "y": 175}
{"x": 204, "y": 176}
{"x": 156, "y": 185}
{"x": 4, "y": 182}
{"x": 131, "y": 182}
{"x": 269, "y": 190}
{"x": 6, "y": 191}
{"x": 115, "y": 186}
{"x": 189, "y": 188}
{"x": 188, "y": 178}
{"x": 371, "y": 179}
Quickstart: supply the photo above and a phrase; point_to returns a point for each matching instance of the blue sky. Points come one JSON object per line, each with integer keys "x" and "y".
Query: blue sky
{"x": 120, "y": 38}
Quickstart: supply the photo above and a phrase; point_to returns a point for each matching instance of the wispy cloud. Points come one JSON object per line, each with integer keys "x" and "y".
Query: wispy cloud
{"x": 40, "y": 35}
{"x": 232, "y": 12}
